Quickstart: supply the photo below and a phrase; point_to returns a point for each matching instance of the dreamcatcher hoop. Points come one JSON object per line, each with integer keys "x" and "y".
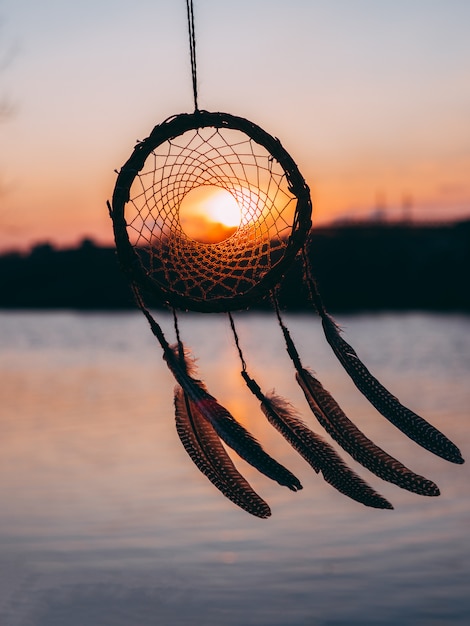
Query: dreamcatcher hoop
{"x": 219, "y": 149}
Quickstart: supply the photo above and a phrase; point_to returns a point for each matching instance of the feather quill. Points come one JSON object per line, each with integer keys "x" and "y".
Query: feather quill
{"x": 204, "y": 447}
{"x": 352, "y": 440}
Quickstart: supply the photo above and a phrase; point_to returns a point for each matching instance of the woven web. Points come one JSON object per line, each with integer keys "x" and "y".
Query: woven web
{"x": 227, "y": 159}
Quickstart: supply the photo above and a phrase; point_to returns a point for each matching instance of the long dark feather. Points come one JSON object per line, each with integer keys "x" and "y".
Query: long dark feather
{"x": 228, "y": 429}
{"x": 319, "y": 454}
{"x": 411, "y": 424}
{"x": 204, "y": 447}
{"x": 352, "y": 440}
{"x": 414, "y": 426}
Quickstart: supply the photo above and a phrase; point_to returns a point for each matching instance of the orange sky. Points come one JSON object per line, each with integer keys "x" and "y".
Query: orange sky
{"x": 371, "y": 99}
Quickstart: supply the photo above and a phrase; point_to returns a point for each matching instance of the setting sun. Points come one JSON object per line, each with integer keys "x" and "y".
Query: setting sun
{"x": 209, "y": 214}
{"x": 222, "y": 207}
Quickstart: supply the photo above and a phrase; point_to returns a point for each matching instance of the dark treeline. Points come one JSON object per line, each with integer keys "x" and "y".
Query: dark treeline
{"x": 362, "y": 267}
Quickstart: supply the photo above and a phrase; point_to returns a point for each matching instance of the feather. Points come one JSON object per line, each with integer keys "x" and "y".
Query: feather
{"x": 353, "y": 440}
{"x": 225, "y": 425}
{"x": 282, "y": 415}
{"x": 319, "y": 454}
{"x": 414, "y": 426}
{"x": 204, "y": 447}
{"x": 244, "y": 444}
{"x": 411, "y": 424}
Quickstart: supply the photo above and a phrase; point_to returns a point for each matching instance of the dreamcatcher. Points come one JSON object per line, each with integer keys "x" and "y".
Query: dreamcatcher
{"x": 190, "y": 151}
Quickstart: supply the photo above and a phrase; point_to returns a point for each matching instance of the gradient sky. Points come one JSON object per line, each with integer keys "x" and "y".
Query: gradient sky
{"x": 370, "y": 97}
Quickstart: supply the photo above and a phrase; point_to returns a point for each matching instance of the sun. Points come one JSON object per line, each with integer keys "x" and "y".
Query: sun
{"x": 221, "y": 207}
{"x": 209, "y": 214}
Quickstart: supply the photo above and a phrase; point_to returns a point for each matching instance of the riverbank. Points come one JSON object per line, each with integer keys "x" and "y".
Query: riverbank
{"x": 359, "y": 267}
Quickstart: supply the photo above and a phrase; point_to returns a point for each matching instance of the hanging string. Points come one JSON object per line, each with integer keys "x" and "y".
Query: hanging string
{"x": 178, "y": 336}
{"x": 192, "y": 49}
{"x": 250, "y": 382}
{"x": 291, "y": 349}
{"x": 237, "y": 343}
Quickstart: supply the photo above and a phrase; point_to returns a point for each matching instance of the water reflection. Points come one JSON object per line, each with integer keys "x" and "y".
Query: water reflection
{"x": 106, "y": 521}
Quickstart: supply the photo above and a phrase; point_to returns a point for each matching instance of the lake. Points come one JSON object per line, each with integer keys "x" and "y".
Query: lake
{"x": 105, "y": 521}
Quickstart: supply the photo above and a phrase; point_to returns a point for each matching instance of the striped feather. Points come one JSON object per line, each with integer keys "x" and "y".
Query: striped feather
{"x": 319, "y": 454}
{"x": 282, "y": 415}
{"x": 204, "y": 447}
{"x": 414, "y": 426}
{"x": 353, "y": 440}
{"x": 244, "y": 444}
{"x": 225, "y": 425}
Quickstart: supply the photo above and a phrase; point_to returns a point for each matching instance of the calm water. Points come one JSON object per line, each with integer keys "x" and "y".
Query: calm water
{"x": 106, "y": 522}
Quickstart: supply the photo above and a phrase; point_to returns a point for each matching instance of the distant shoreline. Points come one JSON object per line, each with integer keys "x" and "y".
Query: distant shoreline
{"x": 359, "y": 266}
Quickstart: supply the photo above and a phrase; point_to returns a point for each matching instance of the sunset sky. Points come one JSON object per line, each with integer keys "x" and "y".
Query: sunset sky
{"x": 370, "y": 97}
